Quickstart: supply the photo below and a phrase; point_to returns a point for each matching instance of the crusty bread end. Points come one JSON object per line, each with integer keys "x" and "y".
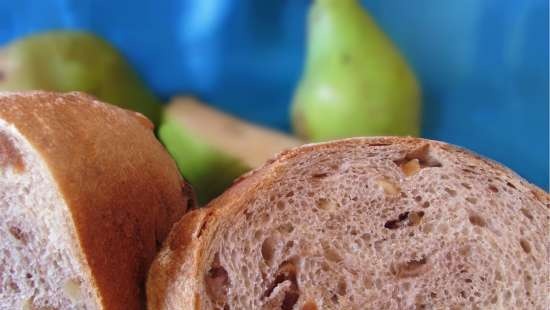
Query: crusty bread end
{"x": 87, "y": 196}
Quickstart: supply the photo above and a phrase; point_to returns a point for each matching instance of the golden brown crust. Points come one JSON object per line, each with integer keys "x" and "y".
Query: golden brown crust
{"x": 181, "y": 237}
{"x": 198, "y": 228}
{"x": 122, "y": 188}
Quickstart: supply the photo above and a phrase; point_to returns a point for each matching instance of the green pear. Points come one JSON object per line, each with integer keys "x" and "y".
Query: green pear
{"x": 213, "y": 148}
{"x": 75, "y": 61}
{"x": 355, "y": 82}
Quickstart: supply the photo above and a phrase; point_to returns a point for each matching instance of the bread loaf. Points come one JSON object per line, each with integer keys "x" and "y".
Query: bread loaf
{"x": 364, "y": 223}
{"x": 87, "y": 196}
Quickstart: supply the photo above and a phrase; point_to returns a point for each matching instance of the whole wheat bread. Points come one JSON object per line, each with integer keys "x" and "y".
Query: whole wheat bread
{"x": 365, "y": 223}
{"x": 87, "y": 195}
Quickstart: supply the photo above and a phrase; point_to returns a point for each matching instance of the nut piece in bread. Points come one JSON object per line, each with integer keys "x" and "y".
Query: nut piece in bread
{"x": 365, "y": 223}
{"x": 87, "y": 196}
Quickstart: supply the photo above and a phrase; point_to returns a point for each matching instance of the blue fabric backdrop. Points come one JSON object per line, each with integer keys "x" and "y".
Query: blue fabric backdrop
{"x": 483, "y": 64}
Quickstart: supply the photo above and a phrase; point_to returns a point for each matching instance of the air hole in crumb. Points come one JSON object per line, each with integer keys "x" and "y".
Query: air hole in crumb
{"x": 289, "y": 194}
{"x": 268, "y": 248}
{"x": 217, "y": 283}
{"x": 525, "y": 246}
{"x": 18, "y": 234}
{"x": 493, "y": 188}
{"x": 471, "y": 200}
{"x": 280, "y": 205}
{"x": 498, "y": 276}
{"x": 319, "y": 175}
{"x": 379, "y": 144}
{"x": 466, "y": 185}
{"x": 203, "y": 225}
{"x": 289, "y": 244}
{"x": 286, "y": 273}
{"x": 464, "y": 250}
{"x": 331, "y": 254}
{"x": 10, "y": 155}
{"x": 405, "y": 219}
{"x": 14, "y": 287}
{"x": 290, "y": 299}
{"x": 418, "y": 198}
{"x": 451, "y": 192}
{"x": 477, "y": 220}
{"x": 426, "y": 204}
{"x": 342, "y": 287}
{"x": 264, "y": 218}
{"x": 526, "y": 213}
{"x": 511, "y": 185}
{"x": 397, "y": 223}
{"x": 286, "y": 228}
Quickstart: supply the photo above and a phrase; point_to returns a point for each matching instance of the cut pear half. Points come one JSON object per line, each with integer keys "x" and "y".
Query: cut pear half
{"x": 213, "y": 148}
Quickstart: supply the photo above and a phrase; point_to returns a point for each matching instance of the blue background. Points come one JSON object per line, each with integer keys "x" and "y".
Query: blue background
{"x": 483, "y": 64}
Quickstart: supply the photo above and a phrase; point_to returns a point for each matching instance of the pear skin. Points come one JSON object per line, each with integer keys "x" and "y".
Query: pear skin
{"x": 212, "y": 148}
{"x": 75, "y": 61}
{"x": 208, "y": 170}
{"x": 355, "y": 82}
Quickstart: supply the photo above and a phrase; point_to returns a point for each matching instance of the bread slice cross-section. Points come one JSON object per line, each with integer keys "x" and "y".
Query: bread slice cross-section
{"x": 364, "y": 223}
{"x": 87, "y": 196}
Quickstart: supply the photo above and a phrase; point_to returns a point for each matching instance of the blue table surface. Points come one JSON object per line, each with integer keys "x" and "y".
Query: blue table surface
{"x": 483, "y": 64}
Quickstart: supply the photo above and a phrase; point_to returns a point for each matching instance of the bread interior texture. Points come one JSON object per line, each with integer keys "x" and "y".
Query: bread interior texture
{"x": 40, "y": 265}
{"x": 379, "y": 226}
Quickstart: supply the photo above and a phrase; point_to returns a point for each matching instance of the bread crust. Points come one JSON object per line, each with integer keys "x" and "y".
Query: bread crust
{"x": 175, "y": 275}
{"x": 122, "y": 189}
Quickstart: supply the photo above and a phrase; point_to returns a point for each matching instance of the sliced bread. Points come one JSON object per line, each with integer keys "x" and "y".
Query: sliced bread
{"x": 87, "y": 196}
{"x": 364, "y": 223}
